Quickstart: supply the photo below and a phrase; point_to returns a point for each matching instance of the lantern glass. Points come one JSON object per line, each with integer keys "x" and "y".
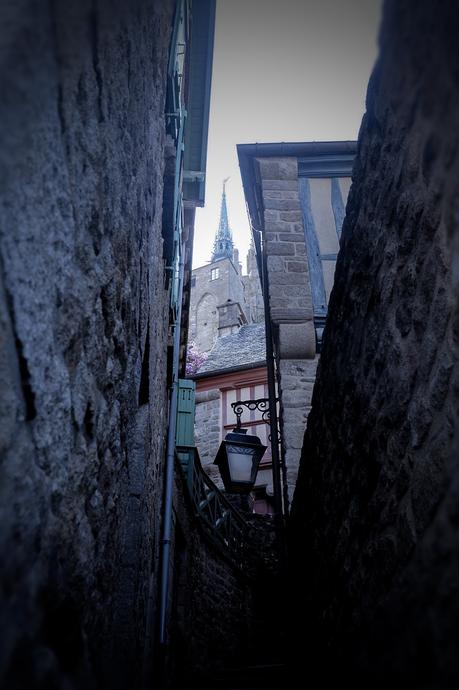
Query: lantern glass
{"x": 240, "y": 461}
{"x": 238, "y": 458}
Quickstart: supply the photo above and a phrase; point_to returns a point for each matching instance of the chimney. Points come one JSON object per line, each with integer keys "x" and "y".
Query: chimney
{"x": 230, "y": 318}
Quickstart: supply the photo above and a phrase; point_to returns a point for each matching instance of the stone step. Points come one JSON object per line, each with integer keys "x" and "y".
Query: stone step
{"x": 253, "y": 677}
{"x": 262, "y": 675}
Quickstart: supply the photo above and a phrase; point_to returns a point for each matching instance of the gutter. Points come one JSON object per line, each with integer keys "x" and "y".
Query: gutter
{"x": 296, "y": 149}
{"x": 251, "y": 183}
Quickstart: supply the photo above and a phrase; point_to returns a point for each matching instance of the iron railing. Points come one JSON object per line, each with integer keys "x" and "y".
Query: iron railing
{"x": 223, "y": 522}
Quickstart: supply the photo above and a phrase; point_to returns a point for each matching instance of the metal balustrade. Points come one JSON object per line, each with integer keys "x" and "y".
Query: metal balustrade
{"x": 223, "y": 522}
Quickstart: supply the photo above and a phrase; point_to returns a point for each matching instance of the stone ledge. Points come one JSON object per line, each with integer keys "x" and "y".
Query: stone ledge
{"x": 297, "y": 315}
{"x": 297, "y": 340}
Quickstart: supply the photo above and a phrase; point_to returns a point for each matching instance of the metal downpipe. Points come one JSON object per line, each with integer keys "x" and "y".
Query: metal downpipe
{"x": 166, "y": 532}
{"x": 274, "y": 428}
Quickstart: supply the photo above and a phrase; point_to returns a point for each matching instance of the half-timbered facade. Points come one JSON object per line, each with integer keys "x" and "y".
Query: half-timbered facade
{"x": 296, "y": 196}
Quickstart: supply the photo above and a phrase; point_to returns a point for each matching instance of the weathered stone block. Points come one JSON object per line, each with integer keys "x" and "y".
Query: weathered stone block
{"x": 271, "y": 215}
{"x": 280, "y": 226}
{"x": 280, "y": 248}
{"x": 276, "y": 264}
{"x": 297, "y": 341}
{"x": 280, "y": 315}
{"x": 297, "y": 266}
{"x": 291, "y": 236}
{"x": 290, "y": 216}
{"x": 294, "y": 278}
{"x": 284, "y": 289}
{"x": 276, "y": 194}
{"x": 281, "y": 204}
{"x": 278, "y": 168}
{"x": 280, "y": 184}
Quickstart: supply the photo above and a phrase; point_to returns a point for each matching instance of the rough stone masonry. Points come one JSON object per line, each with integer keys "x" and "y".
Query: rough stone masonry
{"x": 376, "y": 509}
{"x": 81, "y": 279}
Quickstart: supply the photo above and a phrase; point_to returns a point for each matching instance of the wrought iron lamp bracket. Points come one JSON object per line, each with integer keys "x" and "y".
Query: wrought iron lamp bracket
{"x": 261, "y": 404}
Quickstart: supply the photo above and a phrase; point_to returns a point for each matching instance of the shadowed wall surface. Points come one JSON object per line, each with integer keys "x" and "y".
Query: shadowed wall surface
{"x": 81, "y": 285}
{"x": 375, "y": 511}
{"x": 225, "y": 611}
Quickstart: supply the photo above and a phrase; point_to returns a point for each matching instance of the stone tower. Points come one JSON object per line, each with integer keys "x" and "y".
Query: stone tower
{"x": 253, "y": 294}
{"x": 222, "y": 298}
{"x": 223, "y": 243}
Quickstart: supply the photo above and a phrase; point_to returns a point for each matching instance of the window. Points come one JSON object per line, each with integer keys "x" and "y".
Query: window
{"x": 214, "y": 273}
{"x": 324, "y": 180}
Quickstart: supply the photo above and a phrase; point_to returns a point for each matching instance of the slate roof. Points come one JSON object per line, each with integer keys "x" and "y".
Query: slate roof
{"x": 244, "y": 348}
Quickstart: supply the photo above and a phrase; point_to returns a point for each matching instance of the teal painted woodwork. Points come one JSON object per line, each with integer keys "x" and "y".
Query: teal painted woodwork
{"x": 198, "y": 102}
{"x": 185, "y": 413}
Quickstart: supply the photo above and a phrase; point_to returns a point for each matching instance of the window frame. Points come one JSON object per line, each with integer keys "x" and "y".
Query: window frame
{"x": 327, "y": 166}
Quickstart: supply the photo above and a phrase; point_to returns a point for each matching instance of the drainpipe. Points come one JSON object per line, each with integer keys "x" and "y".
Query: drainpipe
{"x": 166, "y": 531}
{"x": 273, "y": 420}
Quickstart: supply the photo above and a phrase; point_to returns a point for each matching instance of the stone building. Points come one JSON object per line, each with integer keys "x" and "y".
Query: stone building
{"x": 95, "y": 227}
{"x": 235, "y": 370}
{"x": 226, "y": 322}
{"x": 296, "y": 196}
{"x": 222, "y": 298}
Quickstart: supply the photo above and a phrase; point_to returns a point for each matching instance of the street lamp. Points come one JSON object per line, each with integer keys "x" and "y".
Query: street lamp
{"x": 238, "y": 458}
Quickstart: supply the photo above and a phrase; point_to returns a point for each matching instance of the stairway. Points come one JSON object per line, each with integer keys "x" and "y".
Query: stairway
{"x": 253, "y": 677}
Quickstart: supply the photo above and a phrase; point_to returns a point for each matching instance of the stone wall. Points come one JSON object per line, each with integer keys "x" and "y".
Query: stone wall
{"x": 207, "y": 429}
{"x": 252, "y": 289}
{"x": 207, "y": 295}
{"x": 376, "y": 506}
{"x": 289, "y": 290}
{"x": 82, "y": 355}
{"x": 297, "y": 377}
{"x": 290, "y": 302}
{"x": 220, "y": 306}
{"x": 220, "y": 611}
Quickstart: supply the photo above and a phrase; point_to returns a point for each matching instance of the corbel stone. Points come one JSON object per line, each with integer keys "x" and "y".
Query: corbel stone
{"x": 297, "y": 340}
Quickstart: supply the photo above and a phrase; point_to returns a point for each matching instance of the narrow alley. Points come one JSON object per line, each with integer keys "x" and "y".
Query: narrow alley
{"x": 229, "y": 461}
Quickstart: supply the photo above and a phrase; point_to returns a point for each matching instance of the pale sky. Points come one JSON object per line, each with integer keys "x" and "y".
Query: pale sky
{"x": 295, "y": 70}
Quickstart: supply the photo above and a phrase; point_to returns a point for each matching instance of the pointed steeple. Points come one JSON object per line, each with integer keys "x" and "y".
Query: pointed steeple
{"x": 223, "y": 243}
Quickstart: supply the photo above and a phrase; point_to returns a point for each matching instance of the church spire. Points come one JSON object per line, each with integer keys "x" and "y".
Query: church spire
{"x": 223, "y": 243}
